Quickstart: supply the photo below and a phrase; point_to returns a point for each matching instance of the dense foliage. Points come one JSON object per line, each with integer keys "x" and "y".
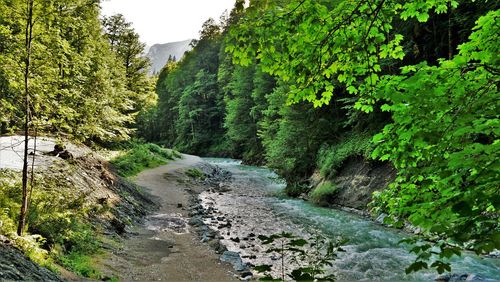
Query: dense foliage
{"x": 444, "y": 141}
{"x": 303, "y": 85}
{"x": 138, "y": 157}
{"x": 298, "y": 85}
{"x": 78, "y": 85}
{"x": 58, "y": 222}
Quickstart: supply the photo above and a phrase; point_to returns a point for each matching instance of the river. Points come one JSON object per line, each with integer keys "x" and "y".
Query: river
{"x": 253, "y": 206}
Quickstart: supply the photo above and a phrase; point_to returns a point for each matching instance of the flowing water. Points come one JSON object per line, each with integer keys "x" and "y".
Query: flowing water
{"x": 252, "y": 207}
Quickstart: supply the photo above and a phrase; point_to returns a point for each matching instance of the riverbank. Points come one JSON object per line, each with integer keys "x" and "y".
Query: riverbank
{"x": 250, "y": 206}
{"x": 194, "y": 214}
{"x": 164, "y": 247}
{"x": 78, "y": 207}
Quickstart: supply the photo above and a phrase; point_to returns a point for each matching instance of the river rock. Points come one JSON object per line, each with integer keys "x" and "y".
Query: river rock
{"x": 234, "y": 259}
{"x": 246, "y": 275}
{"x": 494, "y": 254}
{"x": 14, "y": 266}
{"x": 208, "y": 234}
{"x": 453, "y": 277}
{"x": 196, "y": 221}
{"x": 217, "y": 246}
{"x": 226, "y": 225}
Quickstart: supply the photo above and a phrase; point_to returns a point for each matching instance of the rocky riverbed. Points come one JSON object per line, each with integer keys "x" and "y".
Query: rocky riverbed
{"x": 165, "y": 247}
{"x": 231, "y": 214}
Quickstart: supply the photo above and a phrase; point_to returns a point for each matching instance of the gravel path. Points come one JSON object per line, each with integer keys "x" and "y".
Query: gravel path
{"x": 164, "y": 248}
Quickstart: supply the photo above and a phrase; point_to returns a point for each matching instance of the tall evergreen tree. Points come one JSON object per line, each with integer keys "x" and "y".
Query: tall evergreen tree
{"x": 126, "y": 44}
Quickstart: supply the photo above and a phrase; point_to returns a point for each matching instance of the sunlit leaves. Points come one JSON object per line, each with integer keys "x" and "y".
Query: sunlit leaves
{"x": 317, "y": 45}
{"x": 76, "y": 87}
{"x": 445, "y": 129}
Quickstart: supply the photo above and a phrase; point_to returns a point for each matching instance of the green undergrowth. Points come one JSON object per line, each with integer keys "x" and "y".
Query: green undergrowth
{"x": 331, "y": 157}
{"x": 296, "y": 189}
{"x": 139, "y": 157}
{"x": 195, "y": 173}
{"x": 80, "y": 264}
{"x": 58, "y": 229}
{"x": 322, "y": 194}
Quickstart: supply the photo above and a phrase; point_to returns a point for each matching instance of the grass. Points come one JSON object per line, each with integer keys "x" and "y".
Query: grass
{"x": 80, "y": 264}
{"x": 195, "y": 173}
{"x": 295, "y": 190}
{"x": 322, "y": 194}
{"x": 142, "y": 156}
{"x": 331, "y": 157}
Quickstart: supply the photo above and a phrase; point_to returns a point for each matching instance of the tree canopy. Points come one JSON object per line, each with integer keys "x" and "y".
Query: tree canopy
{"x": 78, "y": 86}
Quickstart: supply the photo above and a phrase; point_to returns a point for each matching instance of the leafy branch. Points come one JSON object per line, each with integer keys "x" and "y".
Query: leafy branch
{"x": 300, "y": 259}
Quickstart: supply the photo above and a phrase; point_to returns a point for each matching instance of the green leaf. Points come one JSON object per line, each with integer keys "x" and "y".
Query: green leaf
{"x": 263, "y": 268}
{"x": 298, "y": 242}
{"x": 416, "y": 266}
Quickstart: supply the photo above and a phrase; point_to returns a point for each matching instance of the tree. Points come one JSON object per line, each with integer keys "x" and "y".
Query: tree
{"x": 27, "y": 72}
{"x": 321, "y": 46}
{"x": 444, "y": 141}
{"x": 126, "y": 44}
{"x": 53, "y": 55}
{"x": 198, "y": 114}
{"x": 191, "y": 107}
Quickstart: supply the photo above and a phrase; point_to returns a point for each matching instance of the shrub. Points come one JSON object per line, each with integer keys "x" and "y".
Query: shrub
{"x": 331, "y": 157}
{"x": 296, "y": 189}
{"x": 195, "y": 173}
{"x": 142, "y": 156}
{"x": 56, "y": 221}
{"x": 323, "y": 194}
{"x": 80, "y": 264}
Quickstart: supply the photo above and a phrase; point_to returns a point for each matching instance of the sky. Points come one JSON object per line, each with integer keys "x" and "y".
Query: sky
{"x": 163, "y": 21}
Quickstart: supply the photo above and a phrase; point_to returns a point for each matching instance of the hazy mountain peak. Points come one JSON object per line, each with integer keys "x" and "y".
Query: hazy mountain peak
{"x": 159, "y": 53}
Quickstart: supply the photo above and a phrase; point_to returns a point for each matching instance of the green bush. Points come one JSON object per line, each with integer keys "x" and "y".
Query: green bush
{"x": 323, "y": 194}
{"x": 56, "y": 228}
{"x": 296, "y": 189}
{"x": 10, "y": 200}
{"x": 195, "y": 173}
{"x": 80, "y": 264}
{"x": 331, "y": 157}
{"x": 142, "y": 156}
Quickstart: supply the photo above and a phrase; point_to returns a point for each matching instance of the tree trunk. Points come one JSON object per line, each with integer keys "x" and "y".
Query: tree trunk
{"x": 27, "y": 62}
{"x": 450, "y": 48}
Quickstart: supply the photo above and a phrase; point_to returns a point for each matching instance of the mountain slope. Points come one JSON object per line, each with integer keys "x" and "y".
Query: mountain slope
{"x": 159, "y": 53}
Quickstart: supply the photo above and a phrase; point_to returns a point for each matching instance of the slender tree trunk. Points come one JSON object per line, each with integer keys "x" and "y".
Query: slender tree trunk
{"x": 32, "y": 178}
{"x": 192, "y": 130}
{"x": 450, "y": 48}
{"x": 27, "y": 62}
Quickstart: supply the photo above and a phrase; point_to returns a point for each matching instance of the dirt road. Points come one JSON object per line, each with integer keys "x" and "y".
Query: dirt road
{"x": 164, "y": 248}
